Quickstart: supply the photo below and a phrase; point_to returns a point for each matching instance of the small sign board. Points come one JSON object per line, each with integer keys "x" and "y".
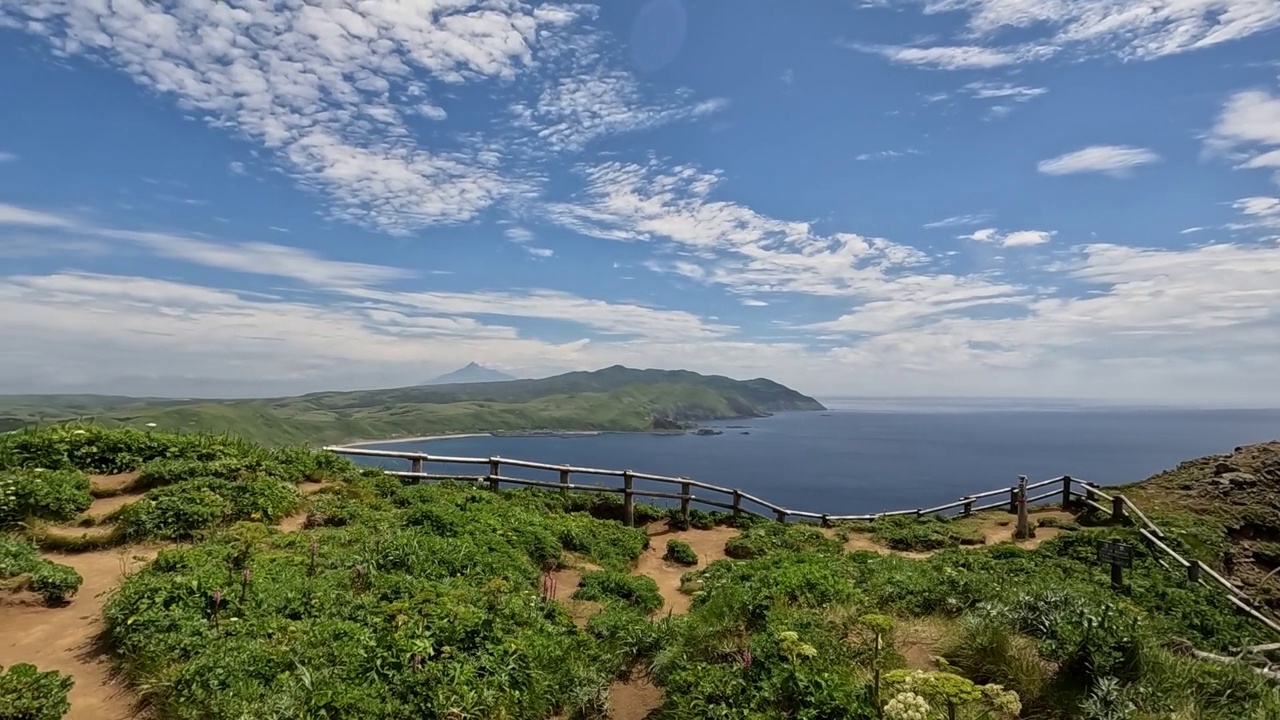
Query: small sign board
{"x": 1116, "y": 553}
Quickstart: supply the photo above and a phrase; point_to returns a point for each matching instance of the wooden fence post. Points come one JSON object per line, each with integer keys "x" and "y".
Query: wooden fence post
{"x": 826, "y": 520}
{"x": 685, "y": 491}
{"x": 1013, "y": 500}
{"x": 495, "y": 469}
{"x": 1024, "y": 525}
{"x": 1193, "y": 571}
{"x": 628, "y": 500}
{"x": 1117, "y": 508}
{"x": 967, "y": 510}
{"x": 1066, "y": 491}
{"x": 737, "y": 502}
{"x": 415, "y": 465}
{"x": 781, "y": 515}
{"x": 564, "y": 481}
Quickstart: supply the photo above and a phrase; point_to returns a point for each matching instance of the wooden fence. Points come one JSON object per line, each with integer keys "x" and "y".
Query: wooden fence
{"x": 1065, "y": 489}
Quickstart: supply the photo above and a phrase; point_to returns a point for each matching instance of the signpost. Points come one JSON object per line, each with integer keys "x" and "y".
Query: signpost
{"x": 1119, "y": 555}
{"x": 1024, "y": 526}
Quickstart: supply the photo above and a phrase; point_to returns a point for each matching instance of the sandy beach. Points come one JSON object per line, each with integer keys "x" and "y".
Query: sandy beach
{"x": 422, "y": 438}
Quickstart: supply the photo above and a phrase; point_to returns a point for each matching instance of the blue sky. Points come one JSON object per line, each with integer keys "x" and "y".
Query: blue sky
{"x": 945, "y": 197}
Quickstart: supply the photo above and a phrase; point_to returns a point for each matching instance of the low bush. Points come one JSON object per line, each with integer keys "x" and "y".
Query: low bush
{"x": 607, "y": 586}
{"x": 192, "y": 508}
{"x": 765, "y": 538}
{"x": 696, "y": 519}
{"x": 22, "y": 567}
{"x": 681, "y": 553}
{"x": 42, "y": 494}
{"x": 26, "y": 693}
{"x": 907, "y": 532}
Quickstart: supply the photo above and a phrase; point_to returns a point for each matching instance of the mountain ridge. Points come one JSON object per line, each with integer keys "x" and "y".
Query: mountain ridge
{"x": 614, "y": 398}
{"x": 472, "y": 372}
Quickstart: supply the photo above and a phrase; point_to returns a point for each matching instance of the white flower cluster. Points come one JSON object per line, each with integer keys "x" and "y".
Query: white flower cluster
{"x": 8, "y": 498}
{"x": 907, "y": 706}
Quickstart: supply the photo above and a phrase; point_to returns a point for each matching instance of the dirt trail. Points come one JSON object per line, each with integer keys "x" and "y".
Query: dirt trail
{"x": 102, "y": 507}
{"x": 104, "y": 484}
{"x": 634, "y": 698}
{"x": 67, "y": 638}
{"x": 298, "y": 520}
{"x": 708, "y": 544}
{"x": 996, "y": 529}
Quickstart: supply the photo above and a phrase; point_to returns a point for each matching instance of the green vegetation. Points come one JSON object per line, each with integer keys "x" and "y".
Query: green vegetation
{"x": 22, "y": 568}
{"x": 401, "y": 601}
{"x": 640, "y": 593}
{"x": 615, "y": 398}
{"x": 906, "y": 532}
{"x": 42, "y": 494}
{"x": 681, "y": 553}
{"x": 28, "y": 694}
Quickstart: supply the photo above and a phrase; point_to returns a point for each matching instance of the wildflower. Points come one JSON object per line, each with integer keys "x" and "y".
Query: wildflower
{"x": 907, "y": 706}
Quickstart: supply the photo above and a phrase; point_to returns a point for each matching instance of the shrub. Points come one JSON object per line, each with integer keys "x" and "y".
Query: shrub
{"x": 29, "y": 694}
{"x": 906, "y": 532}
{"x": 19, "y": 560}
{"x": 609, "y": 585}
{"x": 765, "y": 538}
{"x": 681, "y": 553}
{"x": 56, "y": 583}
{"x": 697, "y": 519}
{"x": 46, "y": 495}
{"x": 177, "y": 512}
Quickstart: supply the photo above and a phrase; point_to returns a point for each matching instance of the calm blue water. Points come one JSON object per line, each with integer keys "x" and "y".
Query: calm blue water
{"x": 854, "y": 462}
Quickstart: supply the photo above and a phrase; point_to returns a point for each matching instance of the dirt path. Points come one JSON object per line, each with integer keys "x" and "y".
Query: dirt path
{"x": 66, "y": 638}
{"x": 634, "y": 698}
{"x": 102, "y": 507}
{"x": 109, "y": 484}
{"x": 298, "y": 520}
{"x": 995, "y": 528}
{"x": 708, "y": 544}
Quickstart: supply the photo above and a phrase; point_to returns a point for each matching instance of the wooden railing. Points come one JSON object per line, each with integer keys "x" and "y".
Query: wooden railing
{"x": 724, "y": 498}
{"x": 1066, "y": 489}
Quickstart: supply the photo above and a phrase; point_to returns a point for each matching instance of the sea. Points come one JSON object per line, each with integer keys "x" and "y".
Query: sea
{"x": 866, "y": 457}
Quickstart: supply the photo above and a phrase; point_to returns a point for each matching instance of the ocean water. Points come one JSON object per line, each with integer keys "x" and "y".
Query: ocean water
{"x": 862, "y": 461}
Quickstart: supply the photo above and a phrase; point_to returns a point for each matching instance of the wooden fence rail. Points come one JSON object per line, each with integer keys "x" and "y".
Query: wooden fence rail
{"x": 1067, "y": 489}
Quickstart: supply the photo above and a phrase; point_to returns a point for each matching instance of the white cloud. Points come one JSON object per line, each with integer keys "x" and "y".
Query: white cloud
{"x": 886, "y": 154}
{"x": 317, "y": 89}
{"x": 788, "y": 76}
{"x": 7, "y": 157}
{"x": 1130, "y": 29}
{"x": 237, "y": 167}
{"x": 14, "y": 215}
{"x": 963, "y": 57}
{"x": 960, "y": 220}
{"x": 1017, "y": 238}
{"x": 1249, "y": 127}
{"x": 523, "y": 237}
{"x": 1114, "y": 160}
{"x": 254, "y": 258}
{"x": 1003, "y": 91}
{"x": 1263, "y": 212}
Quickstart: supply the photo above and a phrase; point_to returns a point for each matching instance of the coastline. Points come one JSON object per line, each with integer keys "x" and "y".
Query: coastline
{"x": 513, "y": 433}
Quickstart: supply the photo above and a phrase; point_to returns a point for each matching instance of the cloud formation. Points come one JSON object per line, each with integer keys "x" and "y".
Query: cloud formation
{"x": 1113, "y": 160}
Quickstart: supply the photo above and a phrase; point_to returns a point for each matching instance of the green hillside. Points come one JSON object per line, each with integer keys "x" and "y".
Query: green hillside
{"x": 614, "y": 398}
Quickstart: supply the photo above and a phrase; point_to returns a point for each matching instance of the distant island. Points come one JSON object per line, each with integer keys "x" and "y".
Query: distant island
{"x": 615, "y": 398}
{"x": 473, "y": 373}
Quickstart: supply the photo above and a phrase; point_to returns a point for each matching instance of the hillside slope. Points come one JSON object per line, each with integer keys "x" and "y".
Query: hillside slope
{"x": 611, "y": 399}
{"x": 1227, "y": 509}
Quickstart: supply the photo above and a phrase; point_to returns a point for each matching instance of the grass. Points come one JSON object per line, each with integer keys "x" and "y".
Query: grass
{"x": 611, "y": 399}
{"x": 428, "y": 601}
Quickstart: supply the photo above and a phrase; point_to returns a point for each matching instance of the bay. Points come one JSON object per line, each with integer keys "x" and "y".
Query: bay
{"x": 857, "y": 461}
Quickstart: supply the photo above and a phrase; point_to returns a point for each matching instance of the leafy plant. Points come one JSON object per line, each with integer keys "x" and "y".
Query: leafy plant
{"x": 681, "y": 553}
{"x": 22, "y": 566}
{"x": 766, "y": 538}
{"x": 26, "y": 693}
{"x": 42, "y": 494}
{"x": 608, "y": 585}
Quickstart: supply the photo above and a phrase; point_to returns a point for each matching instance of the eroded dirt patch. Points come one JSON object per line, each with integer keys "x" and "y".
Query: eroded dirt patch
{"x": 708, "y": 544}
{"x": 67, "y": 638}
{"x": 920, "y": 641}
{"x": 104, "y": 506}
{"x": 634, "y": 698}
{"x": 104, "y": 485}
